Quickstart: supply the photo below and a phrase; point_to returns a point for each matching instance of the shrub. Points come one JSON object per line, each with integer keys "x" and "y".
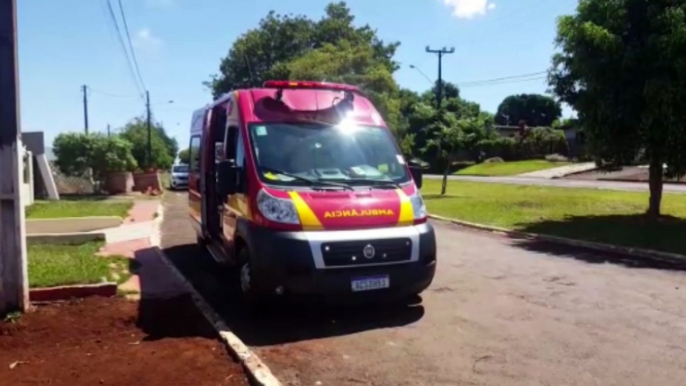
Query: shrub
{"x": 77, "y": 153}
{"x": 538, "y": 143}
{"x": 541, "y": 141}
{"x": 164, "y": 149}
{"x": 502, "y": 147}
{"x": 556, "y": 158}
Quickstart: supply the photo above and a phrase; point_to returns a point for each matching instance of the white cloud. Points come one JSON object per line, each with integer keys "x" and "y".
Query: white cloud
{"x": 467, "y": 9}
{"x": 145, "y": 41}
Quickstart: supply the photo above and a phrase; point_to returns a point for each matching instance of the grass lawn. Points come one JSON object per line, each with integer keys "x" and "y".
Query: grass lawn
{"x": 585, "y": 214}
{"x": 78, "y": 208}
{"x": 509, "y": 168}
{"x": 52, "y": 265}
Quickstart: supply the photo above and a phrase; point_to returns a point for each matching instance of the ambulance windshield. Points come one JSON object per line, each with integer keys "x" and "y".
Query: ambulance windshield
{"x": 355, "y": 155}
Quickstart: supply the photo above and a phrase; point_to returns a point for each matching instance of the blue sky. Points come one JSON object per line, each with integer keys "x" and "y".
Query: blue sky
{"x": 67, "y": 43}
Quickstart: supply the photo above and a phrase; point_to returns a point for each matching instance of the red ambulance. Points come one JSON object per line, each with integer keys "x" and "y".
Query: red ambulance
{"x": 302, "y": 186}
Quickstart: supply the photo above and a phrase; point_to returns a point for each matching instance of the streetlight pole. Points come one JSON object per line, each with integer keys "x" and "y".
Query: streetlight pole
{"x": 84, "y": 89}
{"x": 14, "y": 294}
{"x": 412, "y": 66}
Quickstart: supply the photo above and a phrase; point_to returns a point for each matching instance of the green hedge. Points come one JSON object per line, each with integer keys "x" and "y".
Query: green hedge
{"x": 539, "y": 142}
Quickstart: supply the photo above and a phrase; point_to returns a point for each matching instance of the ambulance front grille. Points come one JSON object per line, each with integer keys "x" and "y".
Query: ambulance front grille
{"x": 347, "y": 253}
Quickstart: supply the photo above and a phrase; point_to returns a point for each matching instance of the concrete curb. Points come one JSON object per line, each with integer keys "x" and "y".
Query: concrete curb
{"x": 257, "y": 371}
{"x": 71, "y": 224}
{"x": 673, "y": 258}
{"x": 640, "y": 182}
{"x": 52, "y": 294}
{"x": 65, "y": 238}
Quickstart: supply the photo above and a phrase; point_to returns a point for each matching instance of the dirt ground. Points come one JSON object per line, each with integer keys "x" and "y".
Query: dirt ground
{"x": 629, "y": 174}
{"x": 114, "y": 341}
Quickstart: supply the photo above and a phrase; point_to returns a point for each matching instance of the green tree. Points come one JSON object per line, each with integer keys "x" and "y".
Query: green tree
{"x": 622, "y": 66}
{"x": 185, "y": 156}
{"x": 332, "y": 49}
{"x": 430, "y": 126}
{"x": 353, "y": 64}
{"x": 534, "y": 109}
{"x": 267, "y": 51}
{"x": 451, "y": 134}
{"x": 164, "y": 148}
{"x": 79, "y": 153}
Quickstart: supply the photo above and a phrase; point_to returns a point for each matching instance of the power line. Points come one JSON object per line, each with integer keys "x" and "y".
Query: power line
{"x": 495, "y": 80}
{"x": 504, "y": 82}
{"x": 91, "y": 89}
{"x": 128, "y": 37}
{"x": 113, "y": 19}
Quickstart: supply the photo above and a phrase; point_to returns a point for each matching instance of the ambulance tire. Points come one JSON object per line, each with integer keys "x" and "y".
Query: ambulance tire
{"x": 251, "y": 296}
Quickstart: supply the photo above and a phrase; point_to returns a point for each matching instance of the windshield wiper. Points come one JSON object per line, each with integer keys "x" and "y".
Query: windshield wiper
{"x": 377, "y": 182}
{"x": 312, "y": 182}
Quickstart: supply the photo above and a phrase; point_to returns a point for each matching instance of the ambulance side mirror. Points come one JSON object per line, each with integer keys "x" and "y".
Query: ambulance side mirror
{"x": 227, "y": 178}
{"x": 417, "y": 173}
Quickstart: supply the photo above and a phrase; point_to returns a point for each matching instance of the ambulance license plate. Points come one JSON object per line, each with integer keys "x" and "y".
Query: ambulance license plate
{"x": 370, "y": 283}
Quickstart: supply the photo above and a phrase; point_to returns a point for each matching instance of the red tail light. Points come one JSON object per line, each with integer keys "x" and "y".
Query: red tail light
{"x": 285, "y": 84}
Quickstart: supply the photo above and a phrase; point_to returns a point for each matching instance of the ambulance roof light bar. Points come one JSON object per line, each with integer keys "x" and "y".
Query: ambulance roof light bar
{"x": 281, "y": 85}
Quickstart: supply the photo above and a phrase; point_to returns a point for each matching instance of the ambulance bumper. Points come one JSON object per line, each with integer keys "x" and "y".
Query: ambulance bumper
{"x": 360, "y": 264}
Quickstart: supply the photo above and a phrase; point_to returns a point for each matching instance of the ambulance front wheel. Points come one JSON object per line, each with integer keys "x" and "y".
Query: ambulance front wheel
{"x": 249, "y": 281}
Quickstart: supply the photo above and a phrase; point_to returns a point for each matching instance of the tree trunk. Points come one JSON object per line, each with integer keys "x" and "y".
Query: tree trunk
{"x": 655, "y": 183}
{"x": 444, "y": 187}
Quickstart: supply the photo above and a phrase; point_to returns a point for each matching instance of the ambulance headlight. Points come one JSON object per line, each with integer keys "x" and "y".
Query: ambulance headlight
{"x": 418, "y": 206}
{"x": 276, "y": 209}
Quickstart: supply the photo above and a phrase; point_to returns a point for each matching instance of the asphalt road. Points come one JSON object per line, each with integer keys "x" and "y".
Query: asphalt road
{"x": 565, "y": 183}
{"x": 500, "y": 312}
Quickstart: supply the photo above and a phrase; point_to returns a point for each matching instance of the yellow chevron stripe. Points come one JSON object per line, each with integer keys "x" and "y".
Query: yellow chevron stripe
{"x": 308, "y": 219}
{"x": 406, "y": 216}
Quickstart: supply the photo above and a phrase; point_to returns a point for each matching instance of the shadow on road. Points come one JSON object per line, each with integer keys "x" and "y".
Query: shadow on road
{"x": 667, "y": 234}
{"x": 284, "y": 322}
{"x": 430, "y": 197}
{"x": 165, "y": 309}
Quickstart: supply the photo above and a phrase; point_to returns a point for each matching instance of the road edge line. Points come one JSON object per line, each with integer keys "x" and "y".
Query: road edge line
{"x": 257, "y": 371}
{"x": 674, "y": 258}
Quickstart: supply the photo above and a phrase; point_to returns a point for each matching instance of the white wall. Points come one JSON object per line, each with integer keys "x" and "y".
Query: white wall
{"x": 27, "y": 179}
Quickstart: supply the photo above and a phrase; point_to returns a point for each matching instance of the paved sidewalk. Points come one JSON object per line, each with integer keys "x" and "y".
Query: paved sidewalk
{"x": 137, "y": 240}
{"x": 139, "y": 224}
{"x": 561, "y": 171}
{"x": 142, "y": 211}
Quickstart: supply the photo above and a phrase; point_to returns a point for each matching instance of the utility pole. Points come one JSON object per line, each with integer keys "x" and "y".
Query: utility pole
{"x": 84, "y": 88}
{"x": 147, "y": 106}
{"x": 439, "y": 86}
{"x": 108, "y": 130}
{"x": 14, "y": 293}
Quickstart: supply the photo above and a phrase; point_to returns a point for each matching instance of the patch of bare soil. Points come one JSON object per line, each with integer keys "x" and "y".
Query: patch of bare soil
{"x": 627, "y": 174}
{"x": 114, "y": 341}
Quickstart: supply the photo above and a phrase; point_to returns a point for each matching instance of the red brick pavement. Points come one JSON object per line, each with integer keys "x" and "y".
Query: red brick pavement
{"x": 125, "y": 248}
{"x": 151, "y": 277}
{"x": 142, "y": 211}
